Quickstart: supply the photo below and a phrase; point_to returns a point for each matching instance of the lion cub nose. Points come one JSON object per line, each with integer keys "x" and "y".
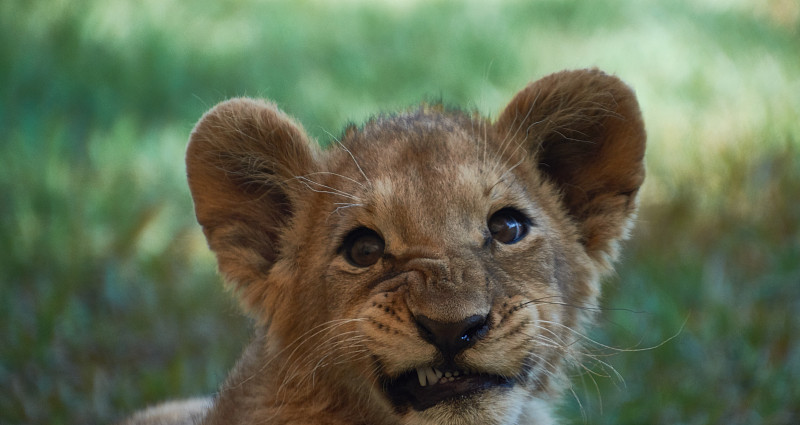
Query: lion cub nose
{"x": 452, "y": 338}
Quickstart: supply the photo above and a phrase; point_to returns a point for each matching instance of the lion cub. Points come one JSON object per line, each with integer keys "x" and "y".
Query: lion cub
{"x": 431, "y": 267}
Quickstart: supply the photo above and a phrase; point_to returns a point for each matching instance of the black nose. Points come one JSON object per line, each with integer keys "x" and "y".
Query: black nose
{"x": 452, "y": 338}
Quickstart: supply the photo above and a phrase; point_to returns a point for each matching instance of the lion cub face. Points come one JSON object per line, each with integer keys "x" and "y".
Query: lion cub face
{"x": 454, "y": 261}
{"x": 430, "y": 267}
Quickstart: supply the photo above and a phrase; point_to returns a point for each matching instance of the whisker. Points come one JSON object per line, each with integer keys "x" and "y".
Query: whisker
{"x": 327, "y": 189}
{"x": 343, "y": 147}
{"x": 298, "y": 342}
{"x": 343, "y": 206}
{"x": 621, "y": 350}
{"x": 325, "y": 345}
{"x": 336, "y": 175}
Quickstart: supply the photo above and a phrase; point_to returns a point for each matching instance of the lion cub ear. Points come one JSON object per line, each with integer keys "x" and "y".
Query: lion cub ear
{"x": 242, "y": 160}
{"x": 585, "y": 132}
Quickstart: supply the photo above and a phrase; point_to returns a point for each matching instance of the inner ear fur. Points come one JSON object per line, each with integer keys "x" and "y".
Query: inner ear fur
{"x": 585, "y": 131}
{"x": 241, "y": 162}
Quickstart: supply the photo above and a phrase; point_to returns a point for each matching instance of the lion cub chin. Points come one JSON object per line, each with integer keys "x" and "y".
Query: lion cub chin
{"x": 428, "y": 267}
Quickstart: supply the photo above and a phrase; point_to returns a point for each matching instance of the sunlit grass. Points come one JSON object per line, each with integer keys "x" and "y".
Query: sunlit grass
{"x": 99, "y": 251}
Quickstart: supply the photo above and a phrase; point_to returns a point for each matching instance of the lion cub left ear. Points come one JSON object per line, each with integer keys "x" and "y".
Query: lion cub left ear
{"x": 585, "y": 133}
{"x": 242, "y": 160}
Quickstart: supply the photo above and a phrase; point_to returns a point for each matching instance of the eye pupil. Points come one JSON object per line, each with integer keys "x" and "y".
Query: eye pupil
{"x": 363, "y": 247}
{"x": 508, "y": 226}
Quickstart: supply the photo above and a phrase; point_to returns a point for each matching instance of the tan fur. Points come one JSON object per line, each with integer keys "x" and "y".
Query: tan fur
{"x": 331, "y": 337}
{"x": 186, "y": 412}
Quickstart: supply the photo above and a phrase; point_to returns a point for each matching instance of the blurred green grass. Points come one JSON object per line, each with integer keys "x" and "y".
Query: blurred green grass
{"x": 99, "y": 250}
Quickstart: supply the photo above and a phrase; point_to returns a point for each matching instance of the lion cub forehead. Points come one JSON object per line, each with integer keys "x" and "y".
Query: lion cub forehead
{"x": 428, "y": 199}
{"x": 424, "y": 170}
{"x": 430, "y": 165}
{"x": 453, "y": 185}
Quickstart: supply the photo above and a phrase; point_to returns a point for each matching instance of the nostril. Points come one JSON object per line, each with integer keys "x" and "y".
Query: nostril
{"x": 452, "y": 337}
{"x": 478, "y": 330}
{"x": 426, "y": 329}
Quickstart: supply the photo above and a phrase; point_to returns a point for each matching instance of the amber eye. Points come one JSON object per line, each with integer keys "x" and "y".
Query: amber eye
{"x": 363, "y": 247}
{"x": 508, "y": 226}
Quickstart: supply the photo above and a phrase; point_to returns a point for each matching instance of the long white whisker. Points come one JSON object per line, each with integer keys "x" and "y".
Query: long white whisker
{"x": 298, "y": 342}
{"x": 337, "y": 175}
{"x": 341, "y": 145}
{"x": 328, "y": 189}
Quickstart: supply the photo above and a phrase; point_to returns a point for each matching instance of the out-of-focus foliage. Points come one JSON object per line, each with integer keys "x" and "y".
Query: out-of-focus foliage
{"x": 108, "y": 295}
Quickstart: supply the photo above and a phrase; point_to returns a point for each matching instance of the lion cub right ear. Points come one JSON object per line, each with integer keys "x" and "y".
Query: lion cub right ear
{"x": 585, "y": 133}
{"x": 242, "y": 160}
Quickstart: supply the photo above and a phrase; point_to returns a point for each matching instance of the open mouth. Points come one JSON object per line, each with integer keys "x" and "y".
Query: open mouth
{"x": 426, "y": 387}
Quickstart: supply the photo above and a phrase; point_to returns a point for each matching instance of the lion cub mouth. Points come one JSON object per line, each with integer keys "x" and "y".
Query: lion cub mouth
{"x": 428, "y": 386}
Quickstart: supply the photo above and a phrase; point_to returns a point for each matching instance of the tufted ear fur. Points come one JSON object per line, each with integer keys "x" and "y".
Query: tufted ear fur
{"x": 241, "y": 162}
{"x": 585, "y": 131}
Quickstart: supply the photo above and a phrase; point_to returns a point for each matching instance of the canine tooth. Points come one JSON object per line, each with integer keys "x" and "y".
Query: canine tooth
{"x": 432, "y": 378}
{"x": 438, "y": 372}
{"x": 423, "y": 379}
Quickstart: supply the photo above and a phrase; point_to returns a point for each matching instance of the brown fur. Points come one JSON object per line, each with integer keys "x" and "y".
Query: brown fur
{"x": 567, "y": 152}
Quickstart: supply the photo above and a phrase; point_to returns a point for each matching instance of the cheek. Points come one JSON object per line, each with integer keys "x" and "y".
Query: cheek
{"x": 342, "y": 288}
{"x": 577, "y": 281}
{"x": 389, "y": 329}
{"x": 532, "y": 273}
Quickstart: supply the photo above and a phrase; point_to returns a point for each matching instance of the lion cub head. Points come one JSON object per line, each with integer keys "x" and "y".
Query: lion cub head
{"x": 430, "y": 267}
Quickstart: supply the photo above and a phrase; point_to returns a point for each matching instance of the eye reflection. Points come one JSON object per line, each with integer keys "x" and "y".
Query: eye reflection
{"x": 508, "y": 226}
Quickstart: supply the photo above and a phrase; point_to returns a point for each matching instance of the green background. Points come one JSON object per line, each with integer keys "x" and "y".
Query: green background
{"x": 99, "y": 250}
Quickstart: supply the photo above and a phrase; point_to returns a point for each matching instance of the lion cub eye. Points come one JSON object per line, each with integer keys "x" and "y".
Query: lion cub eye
{"x": 363, "y": 247}
{"x": 508, "y": 226}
